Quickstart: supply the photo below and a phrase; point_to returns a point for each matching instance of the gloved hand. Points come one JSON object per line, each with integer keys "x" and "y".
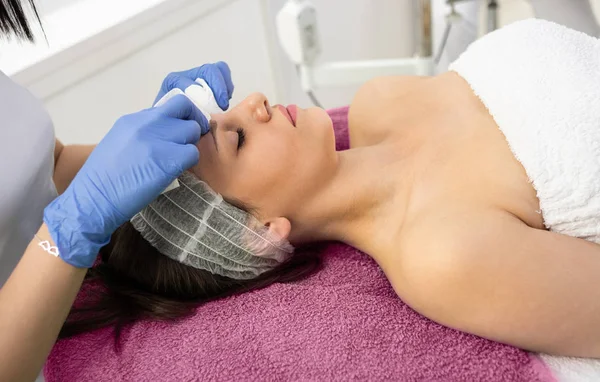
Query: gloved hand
{"x": 139, "y": 157}
{"x": 217, "y": 76}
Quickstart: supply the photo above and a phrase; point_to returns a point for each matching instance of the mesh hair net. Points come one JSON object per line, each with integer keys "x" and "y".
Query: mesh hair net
{"x": 195, "y": 226}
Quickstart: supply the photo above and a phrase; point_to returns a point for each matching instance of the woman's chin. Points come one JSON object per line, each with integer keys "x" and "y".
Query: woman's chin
{"x": 324, "y": 125}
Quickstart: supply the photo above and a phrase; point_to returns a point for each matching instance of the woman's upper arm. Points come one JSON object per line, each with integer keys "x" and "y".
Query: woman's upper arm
{"x": 500, "y": 279}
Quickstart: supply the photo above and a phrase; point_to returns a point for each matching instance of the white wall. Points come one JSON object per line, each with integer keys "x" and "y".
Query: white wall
{"x": 48, "y": 6}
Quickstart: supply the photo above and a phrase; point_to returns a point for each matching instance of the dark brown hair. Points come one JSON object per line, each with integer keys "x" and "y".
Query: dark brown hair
{"x": 133, "y": 281}
{"x": 13, "y": 19}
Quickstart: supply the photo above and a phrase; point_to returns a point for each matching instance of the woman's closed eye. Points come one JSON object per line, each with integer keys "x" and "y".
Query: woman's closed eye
{"x": 241, "y": 137}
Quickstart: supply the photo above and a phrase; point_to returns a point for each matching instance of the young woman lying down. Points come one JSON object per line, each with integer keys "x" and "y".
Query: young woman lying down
{"x": 477, "y": 192}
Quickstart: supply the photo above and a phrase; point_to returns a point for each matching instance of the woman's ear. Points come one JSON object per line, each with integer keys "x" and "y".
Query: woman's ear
{"x": 280, "y": 227}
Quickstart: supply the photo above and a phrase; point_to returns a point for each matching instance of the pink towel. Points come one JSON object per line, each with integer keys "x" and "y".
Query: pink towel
{"x": 344, "y": 323}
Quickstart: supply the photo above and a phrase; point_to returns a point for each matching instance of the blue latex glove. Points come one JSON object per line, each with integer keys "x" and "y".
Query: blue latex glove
{"x": 139, "y": 157}
{"x": 217, "y": 76}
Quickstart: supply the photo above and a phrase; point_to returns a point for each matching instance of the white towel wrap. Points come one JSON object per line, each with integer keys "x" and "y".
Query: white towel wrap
{"x": 541, "y": 83}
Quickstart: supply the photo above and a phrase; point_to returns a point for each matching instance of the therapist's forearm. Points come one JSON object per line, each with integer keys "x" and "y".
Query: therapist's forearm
{"x": 34, "y": 304}
{"x": 68, "y": 162}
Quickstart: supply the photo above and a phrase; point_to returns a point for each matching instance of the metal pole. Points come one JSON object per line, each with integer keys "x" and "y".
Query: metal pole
{"x": 492, "y": 16}
{"x": 426, "y": 37}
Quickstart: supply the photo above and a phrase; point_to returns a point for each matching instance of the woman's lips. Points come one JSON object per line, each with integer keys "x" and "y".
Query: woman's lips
{"x": 293, "y": 112}
{"x": 286, "y": 113}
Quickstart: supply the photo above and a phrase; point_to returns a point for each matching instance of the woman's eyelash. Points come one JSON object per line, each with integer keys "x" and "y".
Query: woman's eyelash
{"x": 241, "y": 137}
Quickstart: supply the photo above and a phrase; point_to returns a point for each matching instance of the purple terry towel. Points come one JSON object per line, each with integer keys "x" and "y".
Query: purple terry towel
{"x": 345, "y": 323}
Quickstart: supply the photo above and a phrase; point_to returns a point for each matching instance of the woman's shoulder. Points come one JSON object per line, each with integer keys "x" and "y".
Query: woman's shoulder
{"x": 439, "y": 251}
{"x": 446, "y": 241}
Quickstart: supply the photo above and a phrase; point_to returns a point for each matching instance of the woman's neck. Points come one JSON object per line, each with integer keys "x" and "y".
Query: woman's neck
{"x": 362, "y": 204}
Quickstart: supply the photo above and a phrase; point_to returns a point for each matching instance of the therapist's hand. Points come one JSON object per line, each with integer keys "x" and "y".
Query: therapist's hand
{"x": 217, "y": 76}
{"x": 139, "y": 157}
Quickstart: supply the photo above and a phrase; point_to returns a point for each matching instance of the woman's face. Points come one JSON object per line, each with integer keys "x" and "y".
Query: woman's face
{"x": 268, "y": 157}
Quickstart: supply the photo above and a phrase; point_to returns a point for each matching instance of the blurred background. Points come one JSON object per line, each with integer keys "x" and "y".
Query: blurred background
{"x": 100, "y": 59}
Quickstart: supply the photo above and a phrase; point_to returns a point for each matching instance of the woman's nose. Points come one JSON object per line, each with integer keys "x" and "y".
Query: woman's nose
{"x": 259, "y": 107}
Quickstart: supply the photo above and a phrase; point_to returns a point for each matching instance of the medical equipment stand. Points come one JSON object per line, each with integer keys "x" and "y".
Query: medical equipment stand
{"x": 298, "y": 35}
{"x": 492, "y": 13}
{"x": 454, "y": 17}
